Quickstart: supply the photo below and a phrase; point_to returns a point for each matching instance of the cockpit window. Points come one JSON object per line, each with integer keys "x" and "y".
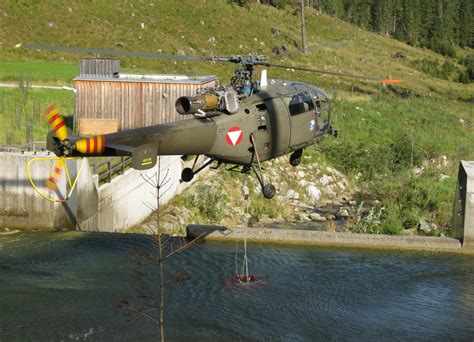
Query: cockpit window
{"x": 299, "y": 103}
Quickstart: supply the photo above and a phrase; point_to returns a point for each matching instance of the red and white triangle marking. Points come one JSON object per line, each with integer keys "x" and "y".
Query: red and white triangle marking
{"x": 234, "y": 136}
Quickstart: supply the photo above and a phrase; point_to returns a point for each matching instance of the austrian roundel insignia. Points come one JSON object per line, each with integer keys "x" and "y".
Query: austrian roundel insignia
{"x": 234, "y": 136}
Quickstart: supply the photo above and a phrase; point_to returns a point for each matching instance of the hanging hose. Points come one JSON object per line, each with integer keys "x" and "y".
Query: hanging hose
{"x": 245, "y": 267}
{"x": 72, "y": 184}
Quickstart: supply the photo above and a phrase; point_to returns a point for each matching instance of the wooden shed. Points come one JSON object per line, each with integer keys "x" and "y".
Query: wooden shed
{"x": 107, "y": 101}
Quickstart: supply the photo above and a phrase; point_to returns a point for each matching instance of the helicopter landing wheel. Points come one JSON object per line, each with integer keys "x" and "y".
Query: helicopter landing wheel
{"x": 295, "y": 158}
{"x": 187, "y": 174}
{"x": 268, "y": 191}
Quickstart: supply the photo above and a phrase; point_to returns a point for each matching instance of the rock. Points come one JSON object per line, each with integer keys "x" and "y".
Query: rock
{"x": 265, "y": 220}
{"x": 304, "y": 217}
{"x": 303, "y": 183}
{"x": 330, "y": 217}
{"x": 324, "y": 180}
{"x": 417, "y": 171}
{"x": 300, "y": 174}
{"x": 313, "y": 193}
{"x": 338, "y": 174}
{"x": 426, "y": 227}
{"x": 341, "y": 186}
{"x": 410, "y": 231}
{"x": 280, "y": 220}
{"x": 399, "y": 55}
{"x": 443, "y": 177}
{"x": 342, "y": 213}
{"x": 292, "y": 218}
{"x": 317, "y": 217}
{"x": 353, "y": 203}
{"x": 292, "y": 195}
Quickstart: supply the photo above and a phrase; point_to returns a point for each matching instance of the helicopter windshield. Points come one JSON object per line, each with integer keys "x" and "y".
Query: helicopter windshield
{"x": 317, "y": 93}
{"x": 321, "y": 103}
{"x": 300, "y": 103}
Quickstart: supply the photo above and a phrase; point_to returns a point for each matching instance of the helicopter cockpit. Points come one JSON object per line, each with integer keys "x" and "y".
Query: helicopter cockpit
{"x": 300, "y": 103}
{"x": 321, "y": 104}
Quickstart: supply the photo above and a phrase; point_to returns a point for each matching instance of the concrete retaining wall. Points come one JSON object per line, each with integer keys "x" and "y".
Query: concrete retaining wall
{"x": 22, "y": 208}
{"x": 112, "y": 207}
{"x": 122, "y": 203}
{"x": 315, "y": 238}
{"x": 463, "y": 210}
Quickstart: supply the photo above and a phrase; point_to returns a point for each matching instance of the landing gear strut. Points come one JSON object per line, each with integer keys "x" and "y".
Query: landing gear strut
{"x": 295, "y": 158}
{"x": 268, "y": 190}
{"x": 188, "y": 173}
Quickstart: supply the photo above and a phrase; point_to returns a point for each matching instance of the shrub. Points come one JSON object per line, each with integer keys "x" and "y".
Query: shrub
{"x": 208, "y": 201}
{"x": 468, "y": 75}
{"x": 446, "y": 71}
{"x": 391, "y": 223}
{"x": 410, "y": 217}
{"x": 369, "y": 223}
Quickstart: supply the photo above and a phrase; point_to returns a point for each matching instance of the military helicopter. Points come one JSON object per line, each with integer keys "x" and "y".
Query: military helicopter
{"x": 242, "y": 125}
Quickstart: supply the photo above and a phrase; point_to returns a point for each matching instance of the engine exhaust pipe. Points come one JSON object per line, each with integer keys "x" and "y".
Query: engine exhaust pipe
{"x": 192, "y": 104}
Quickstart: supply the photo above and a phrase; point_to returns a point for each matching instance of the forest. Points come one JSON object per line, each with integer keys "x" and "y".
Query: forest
{"x": 439, "y": 25}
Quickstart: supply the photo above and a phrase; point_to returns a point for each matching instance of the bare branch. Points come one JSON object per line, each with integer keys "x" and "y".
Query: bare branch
{"x": 186, "y": 246}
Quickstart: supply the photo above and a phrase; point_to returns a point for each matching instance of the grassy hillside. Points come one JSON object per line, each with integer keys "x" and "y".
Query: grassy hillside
{"x": 386, "y": 133}
{"x": 213, "y": 27}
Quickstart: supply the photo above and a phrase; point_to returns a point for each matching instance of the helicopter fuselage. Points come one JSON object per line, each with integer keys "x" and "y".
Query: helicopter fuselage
{"x": 282, "y": 117}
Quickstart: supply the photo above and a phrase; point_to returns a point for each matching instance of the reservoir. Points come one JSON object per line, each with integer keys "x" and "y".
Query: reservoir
{"x": 67, "y": 286}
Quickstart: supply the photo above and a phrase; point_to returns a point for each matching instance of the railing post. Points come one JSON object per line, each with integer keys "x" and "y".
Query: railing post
{"x": 109, "y": 167}
{"x": 122, "y": 166}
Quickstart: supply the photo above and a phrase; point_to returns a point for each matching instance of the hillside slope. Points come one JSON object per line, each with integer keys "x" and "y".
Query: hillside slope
{"x": 213, "y": 27}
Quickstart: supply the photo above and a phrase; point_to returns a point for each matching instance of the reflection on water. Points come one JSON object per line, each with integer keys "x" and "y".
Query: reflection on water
{"x": 63, "y": 286}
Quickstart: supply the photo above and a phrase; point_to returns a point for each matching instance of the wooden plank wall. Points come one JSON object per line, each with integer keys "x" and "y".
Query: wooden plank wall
{"x": 99, "y": 67}
{"x": 133, "y": 104}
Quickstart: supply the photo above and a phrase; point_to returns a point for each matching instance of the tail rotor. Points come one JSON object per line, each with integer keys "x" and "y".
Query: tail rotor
{"x": 58, "y": 127}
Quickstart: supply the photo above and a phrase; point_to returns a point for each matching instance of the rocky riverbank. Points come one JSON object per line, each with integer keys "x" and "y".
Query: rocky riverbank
{"x": 312, "y": 195}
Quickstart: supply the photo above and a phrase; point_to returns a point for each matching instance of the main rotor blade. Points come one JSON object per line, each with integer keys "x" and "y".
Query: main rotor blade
{"x": 112, "y": 52}
{"x": 334, "y": 73}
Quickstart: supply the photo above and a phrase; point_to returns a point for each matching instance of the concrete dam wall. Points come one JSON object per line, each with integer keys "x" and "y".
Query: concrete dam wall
{"x": 22, "y": 208}
{"x": 114, "y": 206}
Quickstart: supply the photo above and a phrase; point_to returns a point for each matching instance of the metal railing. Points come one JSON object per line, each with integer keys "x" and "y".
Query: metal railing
{"x": 34, "y": 146}
{"x": 109, "y": 168}
{"x": 105, "y": 168}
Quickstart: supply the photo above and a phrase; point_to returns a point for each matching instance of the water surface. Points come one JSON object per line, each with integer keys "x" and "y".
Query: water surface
{"x": 63, "y": 286}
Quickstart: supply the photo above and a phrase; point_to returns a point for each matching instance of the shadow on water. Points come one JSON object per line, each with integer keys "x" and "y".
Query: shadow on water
{"x": 63, "y": 285}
